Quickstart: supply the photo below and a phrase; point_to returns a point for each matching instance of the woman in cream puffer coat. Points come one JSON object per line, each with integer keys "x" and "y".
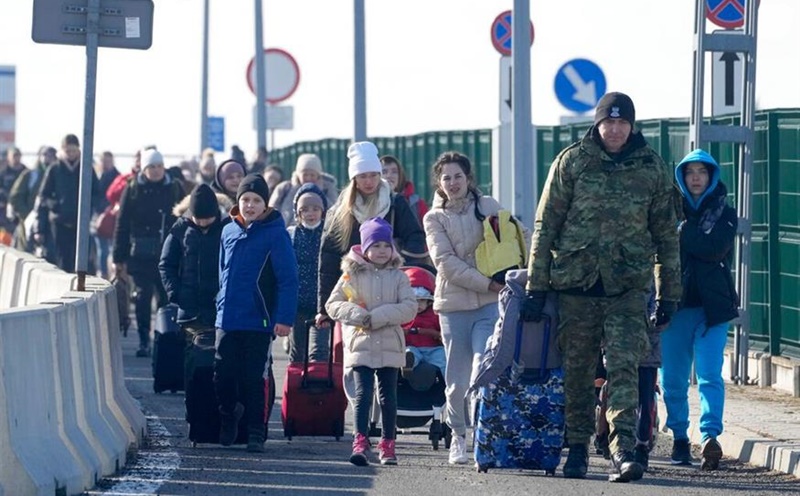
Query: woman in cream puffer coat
{"x": 465, "y": 299}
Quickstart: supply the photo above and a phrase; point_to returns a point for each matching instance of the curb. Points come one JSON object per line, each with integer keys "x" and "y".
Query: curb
{"x": 748, "y": 446}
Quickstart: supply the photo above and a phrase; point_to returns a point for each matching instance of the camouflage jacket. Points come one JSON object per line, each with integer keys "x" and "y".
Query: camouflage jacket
{"x": 601, "y": 218}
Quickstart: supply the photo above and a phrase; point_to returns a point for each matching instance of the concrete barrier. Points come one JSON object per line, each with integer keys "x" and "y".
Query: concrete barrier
{"x": 66, "y": 418}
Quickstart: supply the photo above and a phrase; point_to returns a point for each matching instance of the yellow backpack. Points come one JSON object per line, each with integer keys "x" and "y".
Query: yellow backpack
{"x": 503, "y": 246}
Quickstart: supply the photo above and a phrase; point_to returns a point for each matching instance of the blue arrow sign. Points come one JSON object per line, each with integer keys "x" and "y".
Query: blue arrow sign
{"x": 216, "y": 133}
{"x": 579, "y": 84}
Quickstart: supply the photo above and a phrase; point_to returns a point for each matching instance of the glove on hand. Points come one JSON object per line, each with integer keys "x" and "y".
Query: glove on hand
{"x": 663, "y": 313}
{"x": 533, "y": 305}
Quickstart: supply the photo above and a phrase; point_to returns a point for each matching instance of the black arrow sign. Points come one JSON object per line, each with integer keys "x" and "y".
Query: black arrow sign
{"x": 729, "y": 58}
{"x": 510, "y": 83}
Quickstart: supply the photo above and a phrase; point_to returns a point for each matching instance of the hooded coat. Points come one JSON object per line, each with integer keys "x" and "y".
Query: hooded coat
{"x": 385, "y": 295}
{"x": 706, "y": 239}
{"x": 306, "y": 243}
{"x": 285, "y": 194}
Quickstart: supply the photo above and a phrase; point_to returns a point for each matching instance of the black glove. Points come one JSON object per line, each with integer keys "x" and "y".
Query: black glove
{"x": 533, "y": 305}
{"x": 663, "y": 312}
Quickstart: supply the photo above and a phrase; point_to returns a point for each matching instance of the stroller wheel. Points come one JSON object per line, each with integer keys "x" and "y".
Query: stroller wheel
{"x": 448, "y": 435}
{"x": 374, "y": 430}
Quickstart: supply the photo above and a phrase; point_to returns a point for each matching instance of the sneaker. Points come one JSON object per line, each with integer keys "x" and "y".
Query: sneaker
{"x": 641, "y": 455}
{"x": 386, "y": 452}
{"x": 577, "y": 463}
{"x": 255, "y": 444}
{"x": 681, "y": 452}
{"x": 410, "y": 362}
{"x": 626, "y": 468}
{"x": 229, "y": 425}
{"x": 360, "y": 451}
{"x": 143, "y": 352}
{"x": 712, "y": 453}
{"x": 458, "y": 451}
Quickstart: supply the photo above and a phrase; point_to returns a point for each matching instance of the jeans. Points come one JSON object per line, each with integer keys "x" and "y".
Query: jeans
{"x": 464, "y": 335}
{"x": 387, "y": 395}
{"x": 240, "y": 361}
{"x": 686, "y": 339}
{"x": 319, "y": 342}
{"x": 433, "y": 355}
{"x": 103, "y": 247}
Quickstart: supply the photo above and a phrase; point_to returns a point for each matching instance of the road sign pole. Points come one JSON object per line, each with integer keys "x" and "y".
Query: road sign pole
{"x": 86, "y": 171}
{"x": 359, "y": 59}
{"x": 526, "y": 191}
{"x": 261, "y": 80}
{"x": 204, "y": 93}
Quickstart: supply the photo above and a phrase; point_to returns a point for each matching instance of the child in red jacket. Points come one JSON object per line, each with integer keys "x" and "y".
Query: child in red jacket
{"x": 423, "y": 334}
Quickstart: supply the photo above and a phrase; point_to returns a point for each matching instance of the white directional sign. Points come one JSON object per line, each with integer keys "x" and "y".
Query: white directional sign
{"x": 726, "y": 80}
{"x": 278, "y": 117}
{"x": 505, "y": 90}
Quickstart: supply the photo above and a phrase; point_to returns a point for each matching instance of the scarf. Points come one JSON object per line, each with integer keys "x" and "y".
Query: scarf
{"x": 361, "y": 211}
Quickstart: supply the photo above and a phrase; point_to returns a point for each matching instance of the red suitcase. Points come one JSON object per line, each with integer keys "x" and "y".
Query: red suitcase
{"x": 313, "y": 397}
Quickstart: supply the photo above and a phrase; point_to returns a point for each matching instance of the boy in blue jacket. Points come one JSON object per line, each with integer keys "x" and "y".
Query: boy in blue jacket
{"x": 257, "y": 300}
{"x": 699, "y": 330}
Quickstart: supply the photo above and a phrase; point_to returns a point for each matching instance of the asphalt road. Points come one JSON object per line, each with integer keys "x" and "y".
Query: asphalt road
{"x": 168, "y": 465}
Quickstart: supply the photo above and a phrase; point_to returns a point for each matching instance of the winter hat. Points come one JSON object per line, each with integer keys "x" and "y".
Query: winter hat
{"x": 203, "y": 202}
{"x": 308, "y": 162}
{"x": 151, "y": 157}
{"x": 253, "y": 183}
{"x": 310, "y": 194}
{"x": 615, "y": 105}
{"x": 363, "y": 158}
{"x": 374, "y": 230}
{"x": 421, "y": 293}
{"x": 227, "y": 168}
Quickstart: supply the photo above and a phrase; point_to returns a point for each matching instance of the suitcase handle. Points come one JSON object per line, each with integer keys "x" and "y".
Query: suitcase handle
{"x": 308, "y": 325}
{"x": 545, "y": 345}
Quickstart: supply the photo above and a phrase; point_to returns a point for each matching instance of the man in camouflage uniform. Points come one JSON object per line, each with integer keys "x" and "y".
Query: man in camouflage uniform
{"x": 605, "y": 225}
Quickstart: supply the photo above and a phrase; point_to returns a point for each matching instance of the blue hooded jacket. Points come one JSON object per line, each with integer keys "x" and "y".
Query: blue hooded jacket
{"x": 703, "y": 157}
{"x": 257, "y": 275}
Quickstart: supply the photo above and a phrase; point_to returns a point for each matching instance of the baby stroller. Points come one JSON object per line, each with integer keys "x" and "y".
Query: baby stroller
{"x": 420, "y": 392}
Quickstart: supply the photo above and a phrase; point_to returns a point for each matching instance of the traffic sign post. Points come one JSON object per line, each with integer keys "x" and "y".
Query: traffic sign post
{"x": 505, "y": 90}
{"x": 93, "y": 23}
{"x": 282, "y": 75}
{"x": 579, "y": 84}
{"x": 501, "y": 33}
{"x": 216, "y": 133}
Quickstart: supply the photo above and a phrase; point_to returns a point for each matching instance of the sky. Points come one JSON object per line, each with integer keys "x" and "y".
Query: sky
{"x": 430, "y": 66}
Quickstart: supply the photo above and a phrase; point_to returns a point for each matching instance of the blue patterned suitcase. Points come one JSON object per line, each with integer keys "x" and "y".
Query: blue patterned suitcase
{"x": 520, "y": 415}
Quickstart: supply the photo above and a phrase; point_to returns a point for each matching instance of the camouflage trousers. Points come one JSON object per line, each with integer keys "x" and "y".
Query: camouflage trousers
{"x": 618, "y": 324}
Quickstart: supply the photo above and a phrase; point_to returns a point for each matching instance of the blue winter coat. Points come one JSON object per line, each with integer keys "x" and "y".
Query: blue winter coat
{"x": 257, "y": 275}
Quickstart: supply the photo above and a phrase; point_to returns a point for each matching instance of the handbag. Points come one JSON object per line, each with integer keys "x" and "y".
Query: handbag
{"x": 106, "y": 222}
{"x": 503, "y": 247}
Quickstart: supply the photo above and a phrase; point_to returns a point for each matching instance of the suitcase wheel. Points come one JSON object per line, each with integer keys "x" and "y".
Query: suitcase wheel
{"x": 338, "y": 430}
{"x": 482, "y": 468}
{"x": 435, "y": 434}
{"x": 448, "y": 435}
{"x": 551, "y": 472}
{"x": 374, "y": 430}
{"x": 194, "y": 444}
{"x": 288, "y": 429}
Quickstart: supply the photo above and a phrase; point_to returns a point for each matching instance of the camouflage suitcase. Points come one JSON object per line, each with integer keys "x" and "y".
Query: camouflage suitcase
{"x": 520, "y": 415}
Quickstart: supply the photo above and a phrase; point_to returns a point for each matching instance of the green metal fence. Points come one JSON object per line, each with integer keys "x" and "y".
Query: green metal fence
{"x": 775, "y": 270}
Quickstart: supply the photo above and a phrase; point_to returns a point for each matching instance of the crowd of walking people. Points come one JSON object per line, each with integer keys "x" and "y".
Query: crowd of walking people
{"x": 250, "y": 257}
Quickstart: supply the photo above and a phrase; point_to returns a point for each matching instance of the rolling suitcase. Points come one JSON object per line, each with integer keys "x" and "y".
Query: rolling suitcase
{"x": 520, "y": 415}
{"x": 313, "y": 396}
{"x": 202, "y": 411}
{"x": 168, "y": 348}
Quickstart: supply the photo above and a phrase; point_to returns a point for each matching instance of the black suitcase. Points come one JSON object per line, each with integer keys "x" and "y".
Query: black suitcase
{"x": 168, "y": 350}
{"x": 202, "y": 412}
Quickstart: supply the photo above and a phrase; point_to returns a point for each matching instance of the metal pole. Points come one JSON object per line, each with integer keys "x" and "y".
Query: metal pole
{"x": 745, "y": 193}
{"x": 525, "y": 188}
{"x": 261, "y": 80}
{"x": 359, "y": 58}
{"x": 204, "y": 94}
{"x": 86, "y": 170}
{"x": 696, "y": 116}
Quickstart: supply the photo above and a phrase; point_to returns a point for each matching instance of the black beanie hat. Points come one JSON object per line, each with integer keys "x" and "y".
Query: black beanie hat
{"x": 203, "y": 203}
{"x": 615, "y": 105}
{"x": 254, "y": 183}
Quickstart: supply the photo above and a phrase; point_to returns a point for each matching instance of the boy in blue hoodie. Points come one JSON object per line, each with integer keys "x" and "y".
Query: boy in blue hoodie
{"x": 310, "y": 205}
{"x": 699, "y": 330}
{"x": 257, "y": 300}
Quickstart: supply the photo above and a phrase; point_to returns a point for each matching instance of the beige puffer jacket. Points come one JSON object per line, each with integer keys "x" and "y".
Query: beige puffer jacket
{"x": 385, "y": 295}
{"x": 453, "y": 233}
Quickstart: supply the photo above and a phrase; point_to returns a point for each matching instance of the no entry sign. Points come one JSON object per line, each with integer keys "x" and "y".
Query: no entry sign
{"x": 282, "y": 75}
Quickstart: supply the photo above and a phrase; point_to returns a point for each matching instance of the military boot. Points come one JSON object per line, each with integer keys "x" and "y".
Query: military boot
{"x": 577, "y": 463}
{"x": 626, "y": 468}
